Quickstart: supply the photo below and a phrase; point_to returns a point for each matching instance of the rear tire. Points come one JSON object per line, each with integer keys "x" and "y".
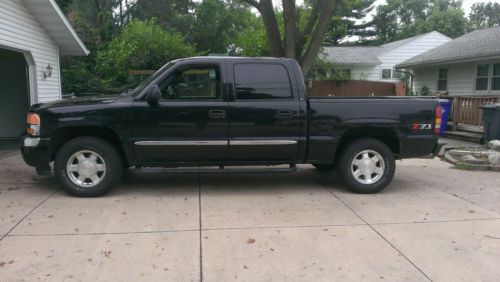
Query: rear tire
{"x": 87, "y": 167}
{"x": 366, "y": 166}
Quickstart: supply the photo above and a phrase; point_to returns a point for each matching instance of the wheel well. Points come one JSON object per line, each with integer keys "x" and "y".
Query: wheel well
{"x": 387, "y": 136}
{"x": 63, "y": 135}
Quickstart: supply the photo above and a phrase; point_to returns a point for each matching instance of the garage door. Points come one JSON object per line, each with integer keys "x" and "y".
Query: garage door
{"x": 14, "y": 99}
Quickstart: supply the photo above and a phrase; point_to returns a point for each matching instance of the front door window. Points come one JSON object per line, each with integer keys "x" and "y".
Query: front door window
{"x": 193, "y": 83}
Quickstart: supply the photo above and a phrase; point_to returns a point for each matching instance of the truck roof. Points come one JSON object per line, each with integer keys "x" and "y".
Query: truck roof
{"x": 232, "y": 58}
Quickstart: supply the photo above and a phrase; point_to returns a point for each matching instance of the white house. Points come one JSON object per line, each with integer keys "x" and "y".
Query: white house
{"x": 376, "y": 63}
{"x": 33, "y": 35}
{"x": 466, "y": 66}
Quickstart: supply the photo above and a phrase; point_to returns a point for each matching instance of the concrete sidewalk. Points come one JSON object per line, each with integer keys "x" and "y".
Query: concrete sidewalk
{"x": 432, "y": 223}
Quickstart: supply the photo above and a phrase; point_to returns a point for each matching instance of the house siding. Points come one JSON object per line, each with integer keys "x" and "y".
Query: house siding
{"x": 425, "y": 77}
{"x": 461, "y": 78}
{"x": 391, "y": 57}
{"x": 415, "y": 47}
{"x": 365, "y": 73}
{"x": 20, "y": 31}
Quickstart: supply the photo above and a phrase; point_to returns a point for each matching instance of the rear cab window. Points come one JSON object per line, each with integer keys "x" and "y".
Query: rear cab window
{"x": 261, "y": 81}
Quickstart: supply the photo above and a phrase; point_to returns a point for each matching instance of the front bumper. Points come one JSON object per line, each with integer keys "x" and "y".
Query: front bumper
{"x": 35, "y": 151}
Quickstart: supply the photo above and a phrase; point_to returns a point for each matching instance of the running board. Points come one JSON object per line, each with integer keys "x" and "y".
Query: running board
{"x": 221, "y": 169}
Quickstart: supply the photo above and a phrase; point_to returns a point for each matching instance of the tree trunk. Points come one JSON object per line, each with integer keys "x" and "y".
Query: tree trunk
{"x": 295, "y": 42}
{"x": 317, "y": 35}
{"x": 291, "y": 28}
{"x": 266, "y": 10}
{"x": 127, "y": 6}
{"x": 121, "y": 13}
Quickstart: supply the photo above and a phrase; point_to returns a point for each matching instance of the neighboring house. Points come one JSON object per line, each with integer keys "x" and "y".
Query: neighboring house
{"x": 376, "y": 63}
{"x": 33, "y": 34}
{"x": 466, "y": 66}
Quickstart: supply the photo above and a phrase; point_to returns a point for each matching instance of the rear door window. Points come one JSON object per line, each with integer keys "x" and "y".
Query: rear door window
{"x": 254, "y": 81}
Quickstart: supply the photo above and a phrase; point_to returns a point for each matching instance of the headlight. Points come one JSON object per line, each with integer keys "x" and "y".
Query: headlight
{"x": 33, "y": 121}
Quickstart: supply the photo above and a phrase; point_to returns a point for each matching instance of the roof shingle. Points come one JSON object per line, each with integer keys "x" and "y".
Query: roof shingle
{"x": 354, "y": 55}
{"x": 362, "y": 55}
{"x": 478, "y": 44}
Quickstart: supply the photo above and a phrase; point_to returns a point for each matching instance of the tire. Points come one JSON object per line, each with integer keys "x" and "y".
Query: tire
{"x": 324, "y": 167}
{"x": 87, "y": 167}
{"x": 372, "y": 156}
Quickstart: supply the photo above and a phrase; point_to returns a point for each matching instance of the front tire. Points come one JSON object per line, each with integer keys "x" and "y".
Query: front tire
{"x": 366, "y": 166}
{"x": 87, "y": 167}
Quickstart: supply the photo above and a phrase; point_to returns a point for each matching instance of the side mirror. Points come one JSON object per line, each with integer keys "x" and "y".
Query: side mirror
{"x": 154, "y": 95}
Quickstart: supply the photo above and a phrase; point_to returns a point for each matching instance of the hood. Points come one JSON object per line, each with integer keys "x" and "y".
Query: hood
{"x": 78, "y": 101}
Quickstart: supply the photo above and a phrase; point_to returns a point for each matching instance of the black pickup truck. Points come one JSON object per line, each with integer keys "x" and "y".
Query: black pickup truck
{"x": 227, "y": 112}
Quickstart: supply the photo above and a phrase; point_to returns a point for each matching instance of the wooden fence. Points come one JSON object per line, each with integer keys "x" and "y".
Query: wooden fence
{"x": 466, "y": 110}
{"x": 139, "y": 75}
{"x": 353, "y": 88}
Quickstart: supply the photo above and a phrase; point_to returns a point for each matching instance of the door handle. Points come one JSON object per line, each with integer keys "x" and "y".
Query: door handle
{"x": 284, "y": 114}
{"x": 217, "y": 114}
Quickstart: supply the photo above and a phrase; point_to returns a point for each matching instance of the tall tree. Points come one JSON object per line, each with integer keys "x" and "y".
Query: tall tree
{"x": 95, "y": 20}
{"x": 386, "y": 22}
{"x": 171, "y": 14}
{"x": 302, "y": 44}
{"x": 449, "y": 20}
{"x": 399, "y": 19}
{"x": 65, "y": 5}
{"x": 217, "y": 23}
{"x": 140, "y": 45}
{"x": 95, "y": 23}
{"x": 252, "y": 41}
{"x": 484, "y": 15}
{"x": 345, "y": 21}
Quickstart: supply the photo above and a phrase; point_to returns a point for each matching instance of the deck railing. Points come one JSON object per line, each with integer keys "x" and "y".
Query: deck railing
{"x": 466, "y": 110}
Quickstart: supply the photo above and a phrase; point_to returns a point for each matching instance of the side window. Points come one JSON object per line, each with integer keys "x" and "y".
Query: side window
{"x": 443, "y": 79}
{"x": 482, "y": 77}
{"x": 386, "y": 73}
{"x": 495, "y": 79}
{"x": 192, "y": 83}
{"x": 396, "y": 74}
{"x": 261, "y": 81}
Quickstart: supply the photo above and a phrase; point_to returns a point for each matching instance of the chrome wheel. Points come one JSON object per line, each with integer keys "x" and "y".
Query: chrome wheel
{"x": 367, "y": 167}
{"x": 86, "y": 168}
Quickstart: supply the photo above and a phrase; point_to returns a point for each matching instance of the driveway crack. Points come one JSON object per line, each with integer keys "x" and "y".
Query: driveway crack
{"x": 428, "y": 185}
{"x": 200, "y": 227}
{"x": 26, "y": 215}
{"x": 379, "y": 234}
{"x": 373, "y": 228}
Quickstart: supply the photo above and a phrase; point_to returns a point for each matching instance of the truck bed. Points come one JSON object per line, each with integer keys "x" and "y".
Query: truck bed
{"x": 333, "y": 118}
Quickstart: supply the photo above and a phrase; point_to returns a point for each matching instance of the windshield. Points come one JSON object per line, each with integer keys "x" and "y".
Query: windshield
{"x": 149, "y": 79}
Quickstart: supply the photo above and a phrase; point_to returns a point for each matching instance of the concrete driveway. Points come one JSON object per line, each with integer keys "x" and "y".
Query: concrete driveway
{"x": 431, "y": 223}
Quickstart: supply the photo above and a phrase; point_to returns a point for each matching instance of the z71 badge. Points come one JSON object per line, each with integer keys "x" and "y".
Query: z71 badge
{"x": 421, "y": 126}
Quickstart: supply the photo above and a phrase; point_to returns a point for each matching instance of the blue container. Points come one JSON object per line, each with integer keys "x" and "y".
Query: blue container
{"x": 445, "y": 113}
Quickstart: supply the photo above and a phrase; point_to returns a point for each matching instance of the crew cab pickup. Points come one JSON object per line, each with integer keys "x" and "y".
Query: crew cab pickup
{"x": 227, "y": 112}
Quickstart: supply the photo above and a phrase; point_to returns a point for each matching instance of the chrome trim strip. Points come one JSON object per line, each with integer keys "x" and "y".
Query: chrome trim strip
{"x": 261, "y": 142}
{"x": 181, "y": 143}
{"x": 216, "y": 143}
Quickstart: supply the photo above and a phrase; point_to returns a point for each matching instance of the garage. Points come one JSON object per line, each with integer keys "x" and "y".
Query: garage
{"x": 34, "y": 34}
{"x": 14, "y": 93}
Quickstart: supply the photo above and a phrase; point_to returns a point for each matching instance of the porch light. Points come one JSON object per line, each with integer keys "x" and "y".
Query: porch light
{"x": 47, "y": 72}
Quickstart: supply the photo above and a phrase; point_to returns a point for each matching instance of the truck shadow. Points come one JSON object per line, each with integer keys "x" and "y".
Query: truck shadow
{"x": 305, "y": 179}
